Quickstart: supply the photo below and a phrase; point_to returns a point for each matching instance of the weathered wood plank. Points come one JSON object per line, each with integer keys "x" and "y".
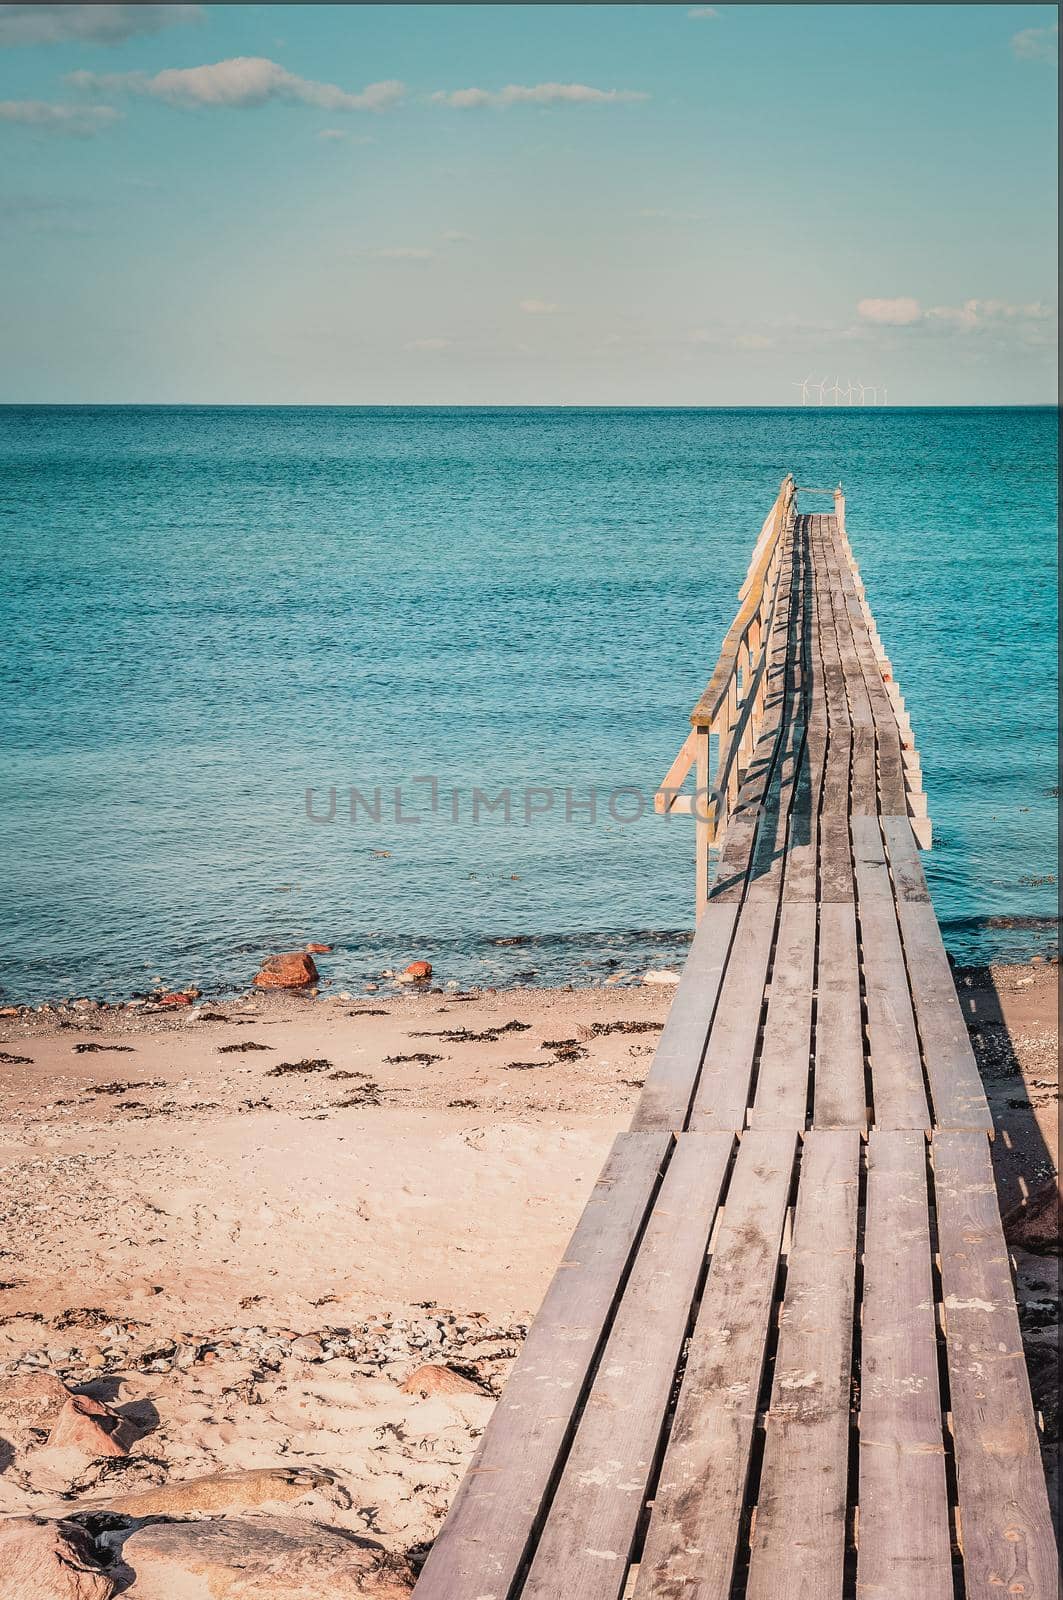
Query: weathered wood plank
{"x": 747, "y": 820}
{"x": 722, "y": 1095}
{"x": 909, "y": 880}
{"x": 840, "y": 1093}
{"x": 1005, "y": 1526}
{"x": 903, "y": 1532}
{"x": 864, "y": 774}
{"x": 771, "y": 845}
{"x": 801, "y": 875}
{"x": 586, "y": 1542}
{"x": 489, "y": 1530}
{"x": 798, "y": 1550}
{"x": 897, "y": 1088}
{"x": 783, "y": 1078}
{"x": 959, "y": 1100}
{"x": 666, "y": 1094}
{"x": 693, "y": 1530}
{"x": 835, "y": 856}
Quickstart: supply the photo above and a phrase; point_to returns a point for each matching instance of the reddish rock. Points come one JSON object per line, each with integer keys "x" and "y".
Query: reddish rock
{"x": 260, "y": 1558}
{"x": 429, "y": 1380}
{"x": 418, "y": 971}
{"x": 179, "y": 997}
{"x": 87, "y": 1425}
{"x": 293, "y": 970}
{"x": 319, "y": 949}
{"x": 49, "y": 1561}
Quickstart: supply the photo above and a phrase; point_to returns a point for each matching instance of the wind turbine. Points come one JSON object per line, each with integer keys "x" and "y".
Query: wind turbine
{"x": 836, "y": 391}
{"x": 883, "y": 394}
{"x": 822, "y": 387}
{"x": 849, "y": 391}
{"x": 874, "y": 390}
{"x": 803, "y": 386}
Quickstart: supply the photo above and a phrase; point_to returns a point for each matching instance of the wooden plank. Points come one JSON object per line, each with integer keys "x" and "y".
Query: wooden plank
{"x": 771, "y": 845}
{"x": 1005, "y": 1527}
{"x": 666, "y": 1093}
{"x": 864, "y": 776}
{"x": 959, "y": 1100}
{"x": 903, "y": 1534}
{"x": 870, "y": 860}
{"x": 840, "y": 1092}
{"x": 722, "y": 1095}
{"x": 909, "y": 880}
{"x": 897, "y": 1088}
{"x": 585, "y": 1546}
{"x": 744, "y": 825}
{"x": 835, "y": 856}
{"x": 891, "y": 786}
{"x": 485, "y": 1539}
{"x": 785, "y": 1058}
{"x": 798, "y": 1550}
{"x": 692, "y": 1536}
{"x": 802, "y": 845}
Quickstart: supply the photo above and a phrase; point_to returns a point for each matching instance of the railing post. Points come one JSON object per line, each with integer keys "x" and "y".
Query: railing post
{"x": 702, "y": 826}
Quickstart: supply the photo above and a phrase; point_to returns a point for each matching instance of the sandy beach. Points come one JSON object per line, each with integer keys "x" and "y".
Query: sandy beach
{"x": 245, "y": 1226}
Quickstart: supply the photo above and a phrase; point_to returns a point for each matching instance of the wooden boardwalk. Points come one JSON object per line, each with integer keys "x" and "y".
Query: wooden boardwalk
{"x": 781, "y": 1358}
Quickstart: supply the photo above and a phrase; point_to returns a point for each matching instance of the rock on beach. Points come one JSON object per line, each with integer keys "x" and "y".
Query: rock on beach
{"x": 295, "y": 969}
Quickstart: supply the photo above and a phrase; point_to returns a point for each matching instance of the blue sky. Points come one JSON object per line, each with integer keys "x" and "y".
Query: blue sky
{"x": 526, "y": 204}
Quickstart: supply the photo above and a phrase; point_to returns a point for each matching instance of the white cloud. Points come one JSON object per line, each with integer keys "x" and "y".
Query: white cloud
{"x": 977, "y": 314}
{"x": 698, "y": 12}
{"x": 1025, "y": 320}
{"x": 1036, "y": 44}
{"x": 241, "y": 81}
{"x": 537, "y": 308}
{"x": 428, "y": 344}
{"x": 455, "y": 236}
{"x": 80, "y": 122}
{"x": 753, "y": 341}
{"x": 896, "y": 313}
{"x": 95, "y": 24}
{"x": 539, "y": 94}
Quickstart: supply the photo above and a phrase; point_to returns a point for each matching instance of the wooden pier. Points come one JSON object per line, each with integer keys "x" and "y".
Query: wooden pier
{"x": 781, "y": 1358}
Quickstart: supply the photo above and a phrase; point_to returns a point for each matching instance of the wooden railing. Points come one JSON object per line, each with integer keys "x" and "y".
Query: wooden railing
{"x": 732, "y": 706}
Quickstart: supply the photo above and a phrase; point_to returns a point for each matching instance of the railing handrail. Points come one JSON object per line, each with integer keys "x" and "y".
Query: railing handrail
{"x": 751, "y": 594}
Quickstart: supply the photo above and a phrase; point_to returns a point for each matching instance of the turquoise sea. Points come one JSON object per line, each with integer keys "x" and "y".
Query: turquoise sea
{"x": 207, "y": 612}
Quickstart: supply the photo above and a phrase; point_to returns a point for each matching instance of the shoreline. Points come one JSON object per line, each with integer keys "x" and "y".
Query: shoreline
{"x": 184, "y": 1000}
{"x": 248, "y": 1226}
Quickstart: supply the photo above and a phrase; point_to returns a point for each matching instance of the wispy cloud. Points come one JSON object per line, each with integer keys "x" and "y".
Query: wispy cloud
{"x": 428, "y": 344}
{"x": 895, "y": 313}
{"x": 78, "y": 122}
{"x": 753, "y": 341}
{"x": 241, "y": 81}
{"x": 1036, "y": 44}
{"x": 698, "y": 13}
{"x": 537, "y": 308}
{"x": 95, "y": 24}
{"x": 971, "y": 316}
{"x": 455, "y": 236}
{"x": 538, "y": 94}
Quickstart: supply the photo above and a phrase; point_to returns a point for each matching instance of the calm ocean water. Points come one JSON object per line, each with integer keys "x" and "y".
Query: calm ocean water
{"x": 208, "y": 611}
